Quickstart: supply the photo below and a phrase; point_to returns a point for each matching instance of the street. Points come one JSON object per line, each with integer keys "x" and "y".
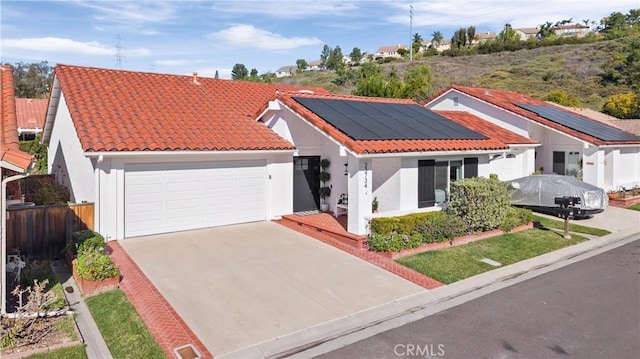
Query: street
{"x": 588, "y": 309}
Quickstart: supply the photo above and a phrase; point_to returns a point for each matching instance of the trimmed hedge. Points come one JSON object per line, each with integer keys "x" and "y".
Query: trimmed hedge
{"x": 481, "y": 202}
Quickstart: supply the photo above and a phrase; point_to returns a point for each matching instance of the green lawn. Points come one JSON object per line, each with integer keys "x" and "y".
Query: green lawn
{"x": 74, "y": 352}
{"x": 573, "y": 227}
{"x": 453, "y": 264}
{"x": 635, "y": 207}
{"x": 122, "y": 328}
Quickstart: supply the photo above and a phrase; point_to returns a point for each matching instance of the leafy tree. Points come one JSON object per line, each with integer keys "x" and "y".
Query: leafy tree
{"x": 335, "y": 60}
{"x": 302, "y": 64}
{"x": 371, "y": 81}
{"x": 562, "y": 98}
{"x": 436, "y": 38}
{"x": 239, "y": 72}
{"x": 471, "y": 34}
{"x": 624, "y": 68}
{"x": 324, "y": 56}
{"x": 624, "y": 105}
{"x": 508, "y": 34}
{"x": 618, "y": 25}
{"x": 356, "y": 56}
{"x": 216, "y": 76}
{"x": 32, "y": 80}
{"x": 419, "y": 82}
{"x": 403, "y": 52}
{"x": 416, "y": 44}
{"x": 459, "y": 38}
{"x": 546, "y": 30}
{"x": 253, "y": 76}
{"x": 39, "y": 152}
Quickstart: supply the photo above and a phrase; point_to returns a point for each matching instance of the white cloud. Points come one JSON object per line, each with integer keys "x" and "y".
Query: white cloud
{"x": 243, "y": 35}
{"x": 56, "y": 44}
{"x": 291, "y": 9}
{"x": 129, "y": 12}
{"x": 172, "y": 62}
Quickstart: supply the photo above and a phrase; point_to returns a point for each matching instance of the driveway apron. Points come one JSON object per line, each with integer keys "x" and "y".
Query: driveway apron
{"x": 236, "y": 286}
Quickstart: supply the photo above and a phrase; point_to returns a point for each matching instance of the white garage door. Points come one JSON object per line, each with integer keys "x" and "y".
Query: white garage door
{"x": 161, "y": 198}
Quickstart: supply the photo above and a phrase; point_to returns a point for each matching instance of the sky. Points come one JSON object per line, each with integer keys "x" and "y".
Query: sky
{"x": 182, "y": 37}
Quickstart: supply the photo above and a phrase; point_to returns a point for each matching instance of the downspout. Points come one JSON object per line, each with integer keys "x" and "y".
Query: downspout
{"x": 3, "y": 238}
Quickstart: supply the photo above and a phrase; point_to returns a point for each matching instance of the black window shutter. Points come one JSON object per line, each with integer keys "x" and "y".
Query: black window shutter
{"x": 471, "y": 167}
{"x": 426, "y": 183}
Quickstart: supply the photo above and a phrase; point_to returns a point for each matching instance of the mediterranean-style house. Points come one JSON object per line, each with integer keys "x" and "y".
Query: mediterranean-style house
{"x": 206, "y": 152}
{"x": 571, "y": 142}
{"x": 577, "y": 30}
{"x": 30, "y": 114}
{"x": 527, "y": 33}
{"x": 389, "y": 51}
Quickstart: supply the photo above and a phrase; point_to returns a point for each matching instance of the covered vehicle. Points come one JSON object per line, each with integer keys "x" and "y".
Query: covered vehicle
{"x": 538, "y": 193}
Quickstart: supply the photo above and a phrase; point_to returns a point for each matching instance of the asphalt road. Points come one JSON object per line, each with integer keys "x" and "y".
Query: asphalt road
{"x": 589, "y": 309}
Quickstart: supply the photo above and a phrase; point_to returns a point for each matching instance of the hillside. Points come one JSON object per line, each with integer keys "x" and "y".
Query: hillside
{"x": 576, "y": 69}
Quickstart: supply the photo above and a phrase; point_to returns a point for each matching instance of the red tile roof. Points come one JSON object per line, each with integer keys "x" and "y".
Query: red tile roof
{"x": 31, "y": 113}
{"x": 507, "y": 100}
{"x": 487, "y": 128}
{"x": 9, "y": 144}
{"x": 492, "y": 142}
{"x": 115, "y": 110}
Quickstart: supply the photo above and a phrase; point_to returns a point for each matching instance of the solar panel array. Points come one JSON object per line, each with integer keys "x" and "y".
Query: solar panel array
{"x": 580, "y": 123}
{"x": 362, "y": 120}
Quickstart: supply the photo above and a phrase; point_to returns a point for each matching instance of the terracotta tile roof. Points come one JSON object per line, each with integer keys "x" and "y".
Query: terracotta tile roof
{"x": 392, "y": 48}
{"x": 115, "y": 110}
{"x": 31, "y": 113}
{"x": 9, "y": 144}
{"x": 487, "y": 128}
{"x": 507, "y": 100}
{"x": 393, "y": 146}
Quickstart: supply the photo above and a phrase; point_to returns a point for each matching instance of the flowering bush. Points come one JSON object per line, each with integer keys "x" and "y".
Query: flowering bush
{"x": 86, "y": 238}
{"x": 94, "y": 264}
{"x": 393, "y": 242}
{"x": 441, "y": 227}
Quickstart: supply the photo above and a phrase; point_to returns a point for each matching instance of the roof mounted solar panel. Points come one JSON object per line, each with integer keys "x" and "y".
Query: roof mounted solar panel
{"x": 368, "y": 120}
{"x": 580, "y": 123}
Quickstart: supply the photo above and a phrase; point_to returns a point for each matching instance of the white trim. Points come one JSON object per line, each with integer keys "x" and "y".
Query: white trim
{"x": 431, "y": 154}
{"x": 615, "y": 146}
{"x": 10, "y": 166}
{"x": 182, "y": 153}
{"x": 54, "y": 101}
{"x": 526, "y": 145}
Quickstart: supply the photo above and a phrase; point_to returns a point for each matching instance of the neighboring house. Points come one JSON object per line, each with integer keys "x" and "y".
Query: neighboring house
{"x": 571, "y": 30}
{"x": 389, "y": 51}
{"x": 394, "y": 150}
{"x": 443, "y": 45}
{"x": 161, "y": 153}
{"x": 30, "y": 113}
{"x": 571, "y": 143}
{"x": 286, "y": 71}
{"x": 315, "y": 65}
{"x": 629, "y": 125}
{"x": 527, "y": 33}
{"x": 484, "y": 36}
{"x": 14, "y": 164}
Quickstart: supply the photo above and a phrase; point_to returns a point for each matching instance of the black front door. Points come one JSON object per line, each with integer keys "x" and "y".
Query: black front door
{"x": 426, "y": 183}
{"x": 306, "y": 183}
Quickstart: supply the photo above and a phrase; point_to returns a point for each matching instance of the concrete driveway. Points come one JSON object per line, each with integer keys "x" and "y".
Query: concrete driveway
{"x": 237, "y": 286}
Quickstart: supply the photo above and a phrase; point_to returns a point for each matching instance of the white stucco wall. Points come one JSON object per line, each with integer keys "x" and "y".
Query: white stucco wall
{"x": 386, "y": 183}
{"x": 629, "y": 168}
{"x": 66, "y": 159}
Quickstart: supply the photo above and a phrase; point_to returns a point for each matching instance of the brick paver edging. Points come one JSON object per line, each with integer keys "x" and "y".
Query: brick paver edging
{"x": 167, "y": 327}
{"x": 371, "y": 257}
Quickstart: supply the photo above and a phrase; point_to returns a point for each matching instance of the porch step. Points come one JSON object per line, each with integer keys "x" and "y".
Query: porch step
{"x": 327, "y": 224}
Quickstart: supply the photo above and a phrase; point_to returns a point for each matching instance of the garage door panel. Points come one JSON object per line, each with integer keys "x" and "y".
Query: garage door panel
{"x": 162, "y": 198}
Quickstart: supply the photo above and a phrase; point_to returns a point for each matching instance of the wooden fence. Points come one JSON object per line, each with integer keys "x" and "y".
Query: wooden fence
{"x": 42, "y": 232}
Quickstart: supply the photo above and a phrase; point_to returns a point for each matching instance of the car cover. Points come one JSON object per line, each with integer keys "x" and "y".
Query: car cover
{"x": 541, "y": 191}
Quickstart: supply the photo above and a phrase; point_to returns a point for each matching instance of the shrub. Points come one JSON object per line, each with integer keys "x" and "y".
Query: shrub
{"x": 394, "y": 242}
{"x": 481, "y": 202}
{"x": 384, "y": 225}
{"x": 94, "y": 264}
{"x": 516, "y": 217}
{"x": 86, "y": 238}
{"x": 441, "y": 227}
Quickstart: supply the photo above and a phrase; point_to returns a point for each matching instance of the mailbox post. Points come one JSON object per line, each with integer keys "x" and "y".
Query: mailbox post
{"x": 566, "y": 209}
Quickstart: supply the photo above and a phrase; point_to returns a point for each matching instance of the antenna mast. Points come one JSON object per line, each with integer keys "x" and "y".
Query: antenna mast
{"x": 410, "y": 32}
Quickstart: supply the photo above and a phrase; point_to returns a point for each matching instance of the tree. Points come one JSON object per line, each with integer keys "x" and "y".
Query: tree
{"x": 239, "y": 72}
{"x": 459, "y": 38}
{"x": 508, "y": 34}
{"x": 216, "y": 76}
{"x": 356, "y": 56}
{"x": 419, "y": 83}
{"x": 253, "y": 76}
{"x": 436, "y": 38}
{"x": 562, "y": 98}
{"x": 546, "y": 30}
{"x": 32, "y": 80}
{"x": 471, "y": 34}
{"x": 625, "y": 105}
{"x": 335, "y": 61}
{"x": 39, "y": 152}
{"x": 371, "y": 81}
{"x": 618, "y": 25}
{"x": 302, "y": 64}
{"x": 324, "y": 56}
{"x": 416, "y": 44}
{"x": 403, "y": 52}
{"x": 624, "y": 68}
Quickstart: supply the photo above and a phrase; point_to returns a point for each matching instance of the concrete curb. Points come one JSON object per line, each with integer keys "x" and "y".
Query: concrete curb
{"x": 337, "y": 333}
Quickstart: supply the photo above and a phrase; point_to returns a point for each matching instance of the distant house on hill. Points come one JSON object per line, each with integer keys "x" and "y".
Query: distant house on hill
{"x": 286, "y": 71}
{"x": 571, "y": 30}
{"x": 526, "y": 33}
{"x": 484, "y": 36}
{"x": 389, "y": 51}
{"x": 315, "y": 65}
